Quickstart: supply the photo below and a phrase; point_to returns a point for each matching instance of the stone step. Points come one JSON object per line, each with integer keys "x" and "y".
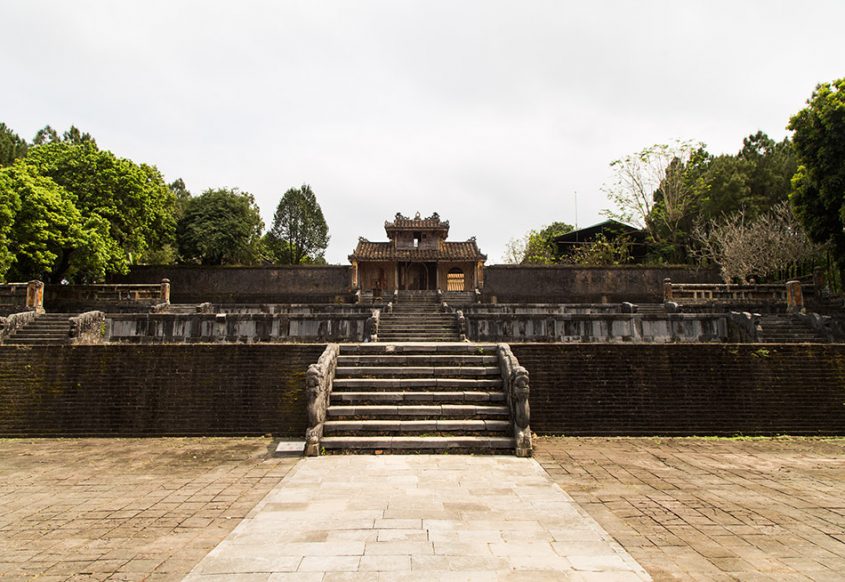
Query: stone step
{"x": 414, "y": 426}
{"x": 394, "y": 384}
{"x": 418, "y": 348}
{"x": 426, "y": 397}
{"x": 22, "y": 340}
{"x": 417, "y": 360}
{"x": 416, "y": 372}
{"x": 455, "y": 411}
{"x": 419, "y": 443}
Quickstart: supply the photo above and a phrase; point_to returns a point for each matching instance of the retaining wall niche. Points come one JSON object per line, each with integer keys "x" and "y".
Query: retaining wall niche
{"x": 714, "y": 389}
{"x": 119, "y": 390}
{"x": 199, "y": 284}
{"x": 575, "y": 284}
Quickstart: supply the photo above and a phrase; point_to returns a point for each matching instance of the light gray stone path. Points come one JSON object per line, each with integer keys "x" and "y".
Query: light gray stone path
{"x": 425, "y": 518}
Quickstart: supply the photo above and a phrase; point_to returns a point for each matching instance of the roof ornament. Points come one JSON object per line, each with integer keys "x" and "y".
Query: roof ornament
{"x": 417, "y": 216}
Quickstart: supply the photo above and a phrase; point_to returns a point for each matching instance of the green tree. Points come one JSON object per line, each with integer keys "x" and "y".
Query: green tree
{"x": 51, "y": 239}
{"x": 655, "y": 189}
{"x": 540, "y": 247}
{"x": 299, "y": 233}
{"x": 220, "y": 226}
{"x": 12, "y": 146}
{"x": 818, "y": 195}
{"x": 601, "y": 251}
{"x": 132, "y": 198}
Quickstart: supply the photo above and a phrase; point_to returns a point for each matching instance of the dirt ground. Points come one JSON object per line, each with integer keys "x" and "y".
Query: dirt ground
{"x": 686, "y": 509}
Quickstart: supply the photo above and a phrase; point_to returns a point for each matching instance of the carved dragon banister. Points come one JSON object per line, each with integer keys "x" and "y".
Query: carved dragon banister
{"x": 516, "y": 386}
{"x": 318, "y": 390}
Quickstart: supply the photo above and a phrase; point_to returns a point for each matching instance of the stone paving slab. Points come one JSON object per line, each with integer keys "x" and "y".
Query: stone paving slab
{"x": 125, "y": 509}
{"x": 713, "y": 509}
{"x": 418, "y": 518}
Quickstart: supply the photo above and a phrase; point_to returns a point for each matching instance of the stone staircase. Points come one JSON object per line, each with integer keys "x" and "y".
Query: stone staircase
{"x": 785, "y": 328}
{"x": 651, "y": 309}
{"x": 48, "y": 328}
{"x": 416, "y": 317}
{"x": 418, "y": 398}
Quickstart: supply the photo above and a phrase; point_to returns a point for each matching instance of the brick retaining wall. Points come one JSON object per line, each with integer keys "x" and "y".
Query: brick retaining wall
{"x": 576, "y": 389}
{"x": 685, "y": 389}
{"x": 117, "y": 390}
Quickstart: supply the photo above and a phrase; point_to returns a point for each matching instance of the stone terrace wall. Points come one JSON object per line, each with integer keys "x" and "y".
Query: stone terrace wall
{"x": 116, "y": 390}
{"x": 198, "y": 284}
{"x": 576, "y": 389}
{"x": 574, "y": 284}
{"x": 720, "y": 389}
{"x": 236, "y": 327}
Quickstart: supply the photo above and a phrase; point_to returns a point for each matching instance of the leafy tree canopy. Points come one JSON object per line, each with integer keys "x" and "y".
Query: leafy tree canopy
{"x": 299, "y": 233}
{"x": 220, "y": 227}
{"x": 51, "y": 239}
{"x": 12, "y": 146}
{"x": 133, "y": 199}
{"x": 818, "y": 195}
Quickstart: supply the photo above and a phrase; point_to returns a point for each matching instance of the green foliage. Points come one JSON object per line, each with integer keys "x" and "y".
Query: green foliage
{"x": 12, "y": 146}
{"x": 299, "y": 234}
{"x": 51, "y": 238}
{"x": 220, "y": 227}
{"x": 133, "y": 199}
{"x": 602, "y": 251}
{"x": 537, "y": 246}
{"x": 818, "y": 195}
{"x": 10, "y": 205}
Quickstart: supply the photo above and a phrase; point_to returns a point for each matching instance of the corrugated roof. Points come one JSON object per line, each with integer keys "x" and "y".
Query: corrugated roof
{"x": 448, "y": 251}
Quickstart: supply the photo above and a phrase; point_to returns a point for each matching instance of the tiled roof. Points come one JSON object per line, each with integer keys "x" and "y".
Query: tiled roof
{"x": 448, "y": 251}
{"x": 416, "y": 223}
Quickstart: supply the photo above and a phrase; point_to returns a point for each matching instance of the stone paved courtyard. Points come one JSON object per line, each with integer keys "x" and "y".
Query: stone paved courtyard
{"x": 700, "y": 509}
{"x": 713, "y": 509}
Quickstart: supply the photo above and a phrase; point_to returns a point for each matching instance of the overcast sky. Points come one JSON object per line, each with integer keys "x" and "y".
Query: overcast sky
{"x": 491, "y": 113}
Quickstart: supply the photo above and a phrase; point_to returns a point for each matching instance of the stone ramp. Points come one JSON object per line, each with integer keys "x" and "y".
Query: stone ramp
{"x": 424, "y": 518}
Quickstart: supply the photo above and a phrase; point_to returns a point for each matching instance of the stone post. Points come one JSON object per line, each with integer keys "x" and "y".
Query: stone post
{"x": 165, "y": 291}
{"x": 667, "y": 289}
{"x": 35, "y": 296}
{"x": 354, "y": 271}
{"x": 794, "y": 297}
{"x": 819, "y": 280}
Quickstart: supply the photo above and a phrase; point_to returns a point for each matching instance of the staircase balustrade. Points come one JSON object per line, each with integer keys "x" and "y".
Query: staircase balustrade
{"x": 318, "y": 390}
{"x": 517, "y": 391}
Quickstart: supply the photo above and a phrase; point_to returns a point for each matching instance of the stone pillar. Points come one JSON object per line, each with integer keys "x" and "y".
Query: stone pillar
{"x": 354, "y": 274}
{"x": 35, "y": 296}
{"x": 667, "y": 290}
{"x": 479, "y": 275}
{"x": 794, "y": 297}
{"x": 165, "y": 291}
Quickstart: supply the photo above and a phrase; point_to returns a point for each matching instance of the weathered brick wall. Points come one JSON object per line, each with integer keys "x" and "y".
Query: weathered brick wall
{"x": 119, "y": 390}
{"x": 577, "y": 284}
{"x": 595, "y": 389}
{"x": 198, "y": 284}
{"x": 587, "y": 389}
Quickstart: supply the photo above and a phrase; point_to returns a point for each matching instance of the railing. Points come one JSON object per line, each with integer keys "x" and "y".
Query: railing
{"x": 155, "y": 293}
{"x": 515, "y": 380}
{"x": 318, "y": 390}
{"x": 22, "y": 296}
{"x": 697, "y": 293}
